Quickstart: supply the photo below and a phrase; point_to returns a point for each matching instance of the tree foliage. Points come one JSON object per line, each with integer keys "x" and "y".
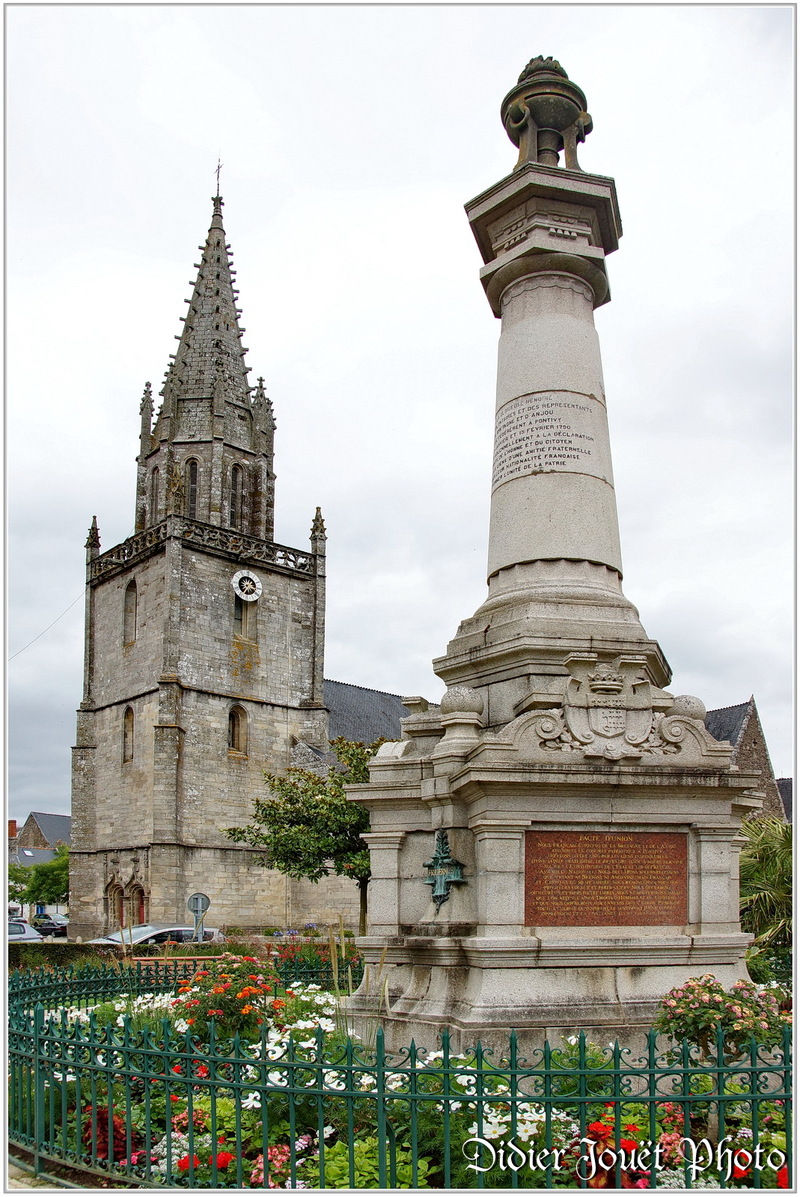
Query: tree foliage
{"x": 48, "y": 882}
{"x": 307, "y": 824}
{"x": 765, "y": 889}
{"x": 18, "y": 877}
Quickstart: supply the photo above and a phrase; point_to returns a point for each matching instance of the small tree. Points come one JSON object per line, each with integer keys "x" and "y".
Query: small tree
{"x": 18, "y": 878}
{"x": 48, "y": 882}
{"x": 308, "y": 826}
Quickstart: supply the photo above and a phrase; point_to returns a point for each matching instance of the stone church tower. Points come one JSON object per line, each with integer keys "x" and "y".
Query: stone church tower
{"x": 204, "y": 649}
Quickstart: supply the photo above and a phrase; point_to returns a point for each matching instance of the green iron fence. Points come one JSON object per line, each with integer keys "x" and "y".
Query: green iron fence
{"x": 153, "y": 1108}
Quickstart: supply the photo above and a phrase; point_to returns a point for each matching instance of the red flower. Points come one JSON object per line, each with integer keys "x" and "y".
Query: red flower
{"x": 631, "y": 1126}
{"x": 600, "y": 1130}
{"x": 739, "y": 1173}
{"x": 172, "y": 1097}
{"x": 202, "y": 1070}
{"x": 628, "y": 1144}
{"x": 782, "y": 1177}
{"x": 223, "y": 1159}
{"x": 184, "y": 1163}
{"x": 177, "y": 1068}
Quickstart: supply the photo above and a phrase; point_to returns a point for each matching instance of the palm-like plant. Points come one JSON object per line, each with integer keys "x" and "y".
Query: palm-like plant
{"x": 765, "y": 889}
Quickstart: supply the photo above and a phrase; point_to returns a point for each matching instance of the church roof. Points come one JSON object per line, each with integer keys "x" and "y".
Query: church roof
{"x": 210, "y": 357}
{"x": 360, "y": 714}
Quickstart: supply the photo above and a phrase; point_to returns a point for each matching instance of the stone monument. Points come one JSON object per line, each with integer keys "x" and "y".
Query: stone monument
{"x": 556, "y": 845}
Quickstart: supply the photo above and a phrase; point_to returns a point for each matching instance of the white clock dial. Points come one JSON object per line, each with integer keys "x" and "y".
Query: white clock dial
{"x": 247, "y": 585}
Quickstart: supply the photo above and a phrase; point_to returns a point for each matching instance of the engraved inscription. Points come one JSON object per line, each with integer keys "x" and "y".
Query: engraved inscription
{"x": 605, "y": 879}
{"x": 550, "y": 430}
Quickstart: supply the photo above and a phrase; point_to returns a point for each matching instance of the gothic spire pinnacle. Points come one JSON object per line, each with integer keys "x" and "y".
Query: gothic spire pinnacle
{"x": 210, "y": 349}
{"x": 318, "y": 534}
{"x": 93, "y": 539}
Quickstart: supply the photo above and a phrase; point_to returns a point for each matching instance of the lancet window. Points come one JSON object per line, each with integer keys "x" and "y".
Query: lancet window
{"x": 235, "y": 504}
{"x": 191, "y": 480}
{"x": 154, "y": 496}
{"x": 237, "y": 731}
{"x": 127, "y": 735}
{"x": 129, "y": 614}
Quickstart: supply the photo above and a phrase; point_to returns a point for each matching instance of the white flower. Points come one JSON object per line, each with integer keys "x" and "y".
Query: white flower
{"x": 251, "y": 1101}
{"x": 333, "y": 1080}
{"x": 181, "y": 1025}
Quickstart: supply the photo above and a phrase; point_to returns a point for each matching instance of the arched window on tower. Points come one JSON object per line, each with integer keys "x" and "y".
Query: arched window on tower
{"x": 154, "y": 496}
{"x": 235, "y": 504}
{"x": 127, "y": 735}
{"x": 129, "y": 614}
{"x": 191, "y": 476}
{"x": 237, "y": 731}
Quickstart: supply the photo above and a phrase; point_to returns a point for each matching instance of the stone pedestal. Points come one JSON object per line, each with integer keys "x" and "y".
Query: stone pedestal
{"x": 556, "y": 845}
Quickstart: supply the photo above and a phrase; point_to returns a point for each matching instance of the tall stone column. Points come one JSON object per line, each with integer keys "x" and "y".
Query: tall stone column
{"x": 554, "y": 563}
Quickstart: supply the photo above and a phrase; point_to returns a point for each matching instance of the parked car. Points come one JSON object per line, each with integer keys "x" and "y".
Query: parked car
{"x": 18, "y": 929}
{"x": 148, "y": 933}
{"x": 50, "y": 924}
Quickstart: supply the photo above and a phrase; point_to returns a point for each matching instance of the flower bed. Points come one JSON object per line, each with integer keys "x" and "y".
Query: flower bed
{"x": 225, "y": 1081}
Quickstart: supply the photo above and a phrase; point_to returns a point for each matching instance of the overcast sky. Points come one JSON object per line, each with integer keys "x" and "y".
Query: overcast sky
{"x": 351, "y": 138}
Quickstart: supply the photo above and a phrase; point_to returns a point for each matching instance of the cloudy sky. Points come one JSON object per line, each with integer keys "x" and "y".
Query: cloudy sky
{"x": 351, "y": 138}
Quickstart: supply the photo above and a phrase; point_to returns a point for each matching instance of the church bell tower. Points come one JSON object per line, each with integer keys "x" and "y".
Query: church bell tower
{"x": 204, "y": 645}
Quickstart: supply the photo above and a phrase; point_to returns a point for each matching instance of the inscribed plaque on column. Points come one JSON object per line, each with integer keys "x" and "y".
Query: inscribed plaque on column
{"x": 605, "y": 879}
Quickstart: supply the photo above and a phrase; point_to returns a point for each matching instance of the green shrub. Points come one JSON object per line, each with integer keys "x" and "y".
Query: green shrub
{"x": 365, "y": 1167}
{"x": 59, "y": 955}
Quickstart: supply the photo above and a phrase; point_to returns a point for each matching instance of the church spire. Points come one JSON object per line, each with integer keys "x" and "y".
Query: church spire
{"x": 210, "y": 355}
{"x": 208, "y": 457}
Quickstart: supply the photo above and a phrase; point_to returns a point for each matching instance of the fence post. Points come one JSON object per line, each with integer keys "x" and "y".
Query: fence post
{"x": 38, "y": 1086}
{"x": 380, "y": 1110}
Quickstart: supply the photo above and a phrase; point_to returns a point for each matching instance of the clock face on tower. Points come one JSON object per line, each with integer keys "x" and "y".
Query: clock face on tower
{"x": 246, "y": 585}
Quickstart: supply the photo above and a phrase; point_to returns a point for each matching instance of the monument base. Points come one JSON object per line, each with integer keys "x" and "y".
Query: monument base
{"x": 481, "y": 989}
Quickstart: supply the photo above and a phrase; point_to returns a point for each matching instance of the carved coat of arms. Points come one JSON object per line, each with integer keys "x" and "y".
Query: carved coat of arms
{"x": 609, "y": 710}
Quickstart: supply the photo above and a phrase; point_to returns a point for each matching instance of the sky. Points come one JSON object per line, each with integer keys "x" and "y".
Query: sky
{"x": 351, "y": 137}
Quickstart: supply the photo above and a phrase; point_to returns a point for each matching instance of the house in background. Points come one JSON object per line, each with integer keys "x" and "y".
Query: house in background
{"x": 785, "y": 789}
{"x": 35, "y": 843}
{"x": 741, "y": 727}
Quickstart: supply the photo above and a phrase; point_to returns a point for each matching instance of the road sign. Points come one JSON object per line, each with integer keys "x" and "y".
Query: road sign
{"x": 199, "y": 903}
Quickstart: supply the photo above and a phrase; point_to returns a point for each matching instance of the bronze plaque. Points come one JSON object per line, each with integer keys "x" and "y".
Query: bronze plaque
{"x": 605, "y": 879}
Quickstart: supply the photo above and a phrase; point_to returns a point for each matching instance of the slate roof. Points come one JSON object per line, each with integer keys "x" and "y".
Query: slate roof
{"x": 727, "y": 723}
{"x": 53, "y": 827}
{"x": 34, "y": 856}
{"x": 785, "y": 789}
{"x": 361, "y": 714}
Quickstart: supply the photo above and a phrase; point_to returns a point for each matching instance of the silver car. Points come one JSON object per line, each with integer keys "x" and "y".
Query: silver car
{"x": 18, "y": 929}
{"x": 147, "y": 933}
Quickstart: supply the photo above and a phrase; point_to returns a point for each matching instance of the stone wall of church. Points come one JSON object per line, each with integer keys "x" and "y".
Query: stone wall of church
{"x": 123, "y": 792}
{"x": 122, "y": 669}
{"x": 273, "y": 661}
